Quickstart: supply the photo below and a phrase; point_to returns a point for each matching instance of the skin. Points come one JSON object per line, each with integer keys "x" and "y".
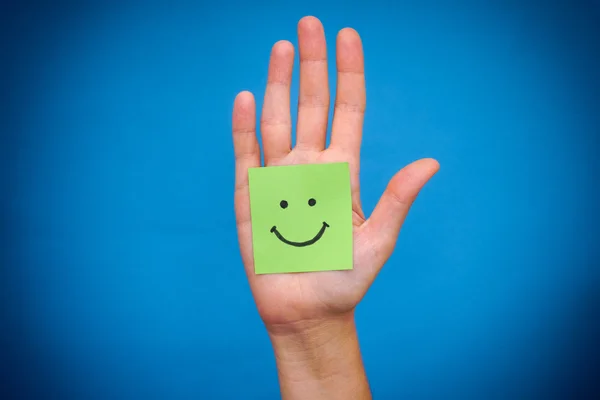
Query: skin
{"x": 310, "y": 316}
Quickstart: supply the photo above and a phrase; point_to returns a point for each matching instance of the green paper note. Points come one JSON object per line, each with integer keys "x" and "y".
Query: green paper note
{"x": 301, "y": 218}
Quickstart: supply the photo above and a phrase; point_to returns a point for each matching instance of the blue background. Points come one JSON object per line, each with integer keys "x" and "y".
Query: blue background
{"x": 121, "y": 276}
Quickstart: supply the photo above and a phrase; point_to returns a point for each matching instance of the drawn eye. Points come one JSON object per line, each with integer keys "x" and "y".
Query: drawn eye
{"x": 283, "y": 204}
{"x": 312, "y": 202}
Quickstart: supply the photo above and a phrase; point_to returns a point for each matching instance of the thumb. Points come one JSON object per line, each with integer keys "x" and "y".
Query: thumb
{"x": 383, "y": 227}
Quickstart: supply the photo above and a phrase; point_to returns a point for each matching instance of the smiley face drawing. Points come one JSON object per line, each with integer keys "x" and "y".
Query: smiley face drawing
{"x": 311, "y": 202}
{"x": 301, "y": 218}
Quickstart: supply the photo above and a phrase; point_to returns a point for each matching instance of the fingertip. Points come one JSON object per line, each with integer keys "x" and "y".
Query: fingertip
{"x": 349, "y": 51}
{"x": 244, "y": 101}
{"x": 310, "y": 23}
{"x": 431, "y": 164}
{"x": 348, "y": 36}
{"x": 407, "y": 182}
{"x": 243, "y": 112}
{"x": 283, "y": 48}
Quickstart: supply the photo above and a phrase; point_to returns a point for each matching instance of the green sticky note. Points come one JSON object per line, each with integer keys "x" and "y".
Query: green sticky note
{"x": 301, "y": 218}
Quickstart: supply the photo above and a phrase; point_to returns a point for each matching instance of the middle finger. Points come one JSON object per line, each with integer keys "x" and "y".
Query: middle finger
{"x": 313, "y": 101}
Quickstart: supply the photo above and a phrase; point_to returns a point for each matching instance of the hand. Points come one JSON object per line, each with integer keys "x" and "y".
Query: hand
{"x": 293, "y": 304}
{"x": 287, "y": 299}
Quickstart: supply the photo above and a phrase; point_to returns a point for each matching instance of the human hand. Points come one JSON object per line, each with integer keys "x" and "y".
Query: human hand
{"x": 287, "y": 300}
{"x": 308, "y": 305}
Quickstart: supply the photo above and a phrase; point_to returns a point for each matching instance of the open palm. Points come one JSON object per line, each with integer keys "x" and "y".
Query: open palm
{"x": 288, "y": 298}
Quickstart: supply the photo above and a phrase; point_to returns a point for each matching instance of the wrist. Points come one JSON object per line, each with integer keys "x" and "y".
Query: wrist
{"x": 306, "y": 340}
{"x": 320, "y": 359}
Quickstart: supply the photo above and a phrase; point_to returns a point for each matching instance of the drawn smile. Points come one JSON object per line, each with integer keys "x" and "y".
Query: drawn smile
{"x": 300, "y": 244}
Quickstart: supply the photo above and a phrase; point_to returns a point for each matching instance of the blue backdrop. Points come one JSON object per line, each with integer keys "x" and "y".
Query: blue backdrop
{"x": 121, "y": 277}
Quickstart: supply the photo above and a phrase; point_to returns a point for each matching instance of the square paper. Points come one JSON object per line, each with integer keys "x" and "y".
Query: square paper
{"x": 301, "y": 218}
